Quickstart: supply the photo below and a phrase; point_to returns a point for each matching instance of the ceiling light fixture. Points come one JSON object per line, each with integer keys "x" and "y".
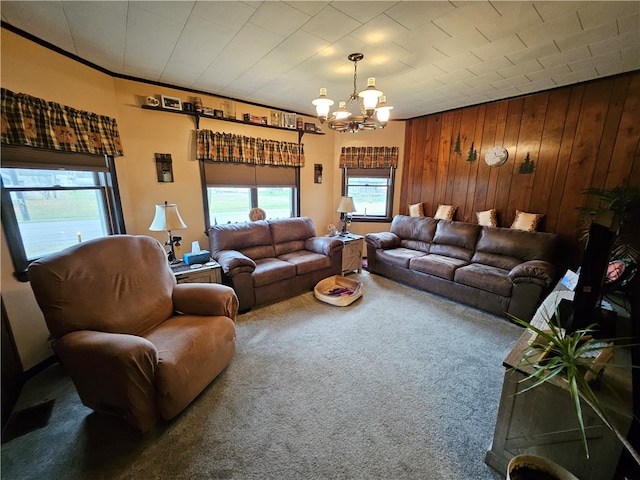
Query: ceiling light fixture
{"x": 372, "y": 113}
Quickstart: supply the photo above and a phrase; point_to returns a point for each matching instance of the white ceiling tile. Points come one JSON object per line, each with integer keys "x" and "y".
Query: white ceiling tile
{"x": 467, "y": 16}
{"x": 541, "y": 85}
{"x": 591, "y": 35}
{"x": 304, "y": 43}
{"x": 484, "y": 79}
{"x": 175, "y": 11}
{"x": 279, "y": 18}
{"x": 629, "y": 24}
{"x": 499, "y": 48}
{"x": 356, "y": 10}
{"x": 490, "y": 66}
{"x": 576, "y": 77}
{"x": 228, "y": 14}
{"x": 520, "y": 69}
{"x": 418, "y": 14}
{"x": 421, "y": 38}
{"x": 514, "y": 17}
{"x": 599, "y": 12}
{"x": 630, "y": 58}
{"x": 46, "y": 18}
{"x": 455, "y": 77}
{"x": 555, "y": 29}
{"x": 564, "y": 58}
{"x": 461, "y": 42}
{"x": 511, "y": 82}
{"x": 458, "y": 62}
{"x": 331, "y": 24}
{"x": 614, "y": 44}
{"x": 549, "y": 73}
{"x": 379, "y": 30}
{"x": 532, "y": 53}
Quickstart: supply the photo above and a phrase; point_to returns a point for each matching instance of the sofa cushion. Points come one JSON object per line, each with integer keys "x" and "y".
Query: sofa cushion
{"x": 258, "y": 252}
{"x": 414, "y": 228}
{"x": 288, "y": 247}
{"x": 288, "y": 229}
{"x": 270, "y": 270}
{"x": 517, "y": 244}
{"x": 438, "y": 265}
{"x": 306, "y": 261}
{"x": 455, "y": 239}
{"x": 399, "y": 257}
{"x": 485, "y": 277}
{"x": 237, "y": 236}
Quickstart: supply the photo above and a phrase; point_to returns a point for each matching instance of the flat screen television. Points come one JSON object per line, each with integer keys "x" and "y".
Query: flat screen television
{"x": 588, "y": 293}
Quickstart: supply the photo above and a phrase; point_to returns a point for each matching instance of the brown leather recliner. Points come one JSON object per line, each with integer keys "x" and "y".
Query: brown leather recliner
{"x": 136, "y": 344}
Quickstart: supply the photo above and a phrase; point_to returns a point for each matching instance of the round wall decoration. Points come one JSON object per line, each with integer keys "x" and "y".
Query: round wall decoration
{"x": 496, "y": 156}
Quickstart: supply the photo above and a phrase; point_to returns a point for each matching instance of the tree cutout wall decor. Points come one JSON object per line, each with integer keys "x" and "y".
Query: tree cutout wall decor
{"x": 473, "y": 154}
{"x": 456, "y": 149}
{"x": 528, "y": 166}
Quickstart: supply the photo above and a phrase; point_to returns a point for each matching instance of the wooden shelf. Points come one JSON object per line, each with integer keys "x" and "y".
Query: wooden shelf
{"x": 198, "y": 116}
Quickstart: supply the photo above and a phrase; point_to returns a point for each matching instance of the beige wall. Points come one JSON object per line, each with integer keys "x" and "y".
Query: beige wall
{"x": 34, "y": 70}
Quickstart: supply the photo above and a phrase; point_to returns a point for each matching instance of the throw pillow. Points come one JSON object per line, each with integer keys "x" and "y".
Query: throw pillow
{"x": 445, "y": 212}
{"x": 488, "y": 218}
{"x": 416, "y": 210}
{"x": 526, "y": 221}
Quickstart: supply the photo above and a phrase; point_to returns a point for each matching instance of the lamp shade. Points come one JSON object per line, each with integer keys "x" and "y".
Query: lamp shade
{"x": 167, "y": 218}
{"x": 346, "y": 205}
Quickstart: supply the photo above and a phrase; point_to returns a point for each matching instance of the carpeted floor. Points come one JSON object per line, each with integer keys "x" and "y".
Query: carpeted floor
{"x": 401, "y": 384}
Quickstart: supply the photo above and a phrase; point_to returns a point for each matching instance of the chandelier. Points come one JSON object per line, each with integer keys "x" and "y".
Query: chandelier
{"x": 366, "y": 110}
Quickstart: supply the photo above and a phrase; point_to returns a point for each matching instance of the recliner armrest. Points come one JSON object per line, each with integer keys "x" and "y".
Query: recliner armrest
{"x": 382, "y": 240}
{"x": 534, "y": 271}
{"x": 234, "y": 262}
{"x": 323, "y": 245}
{"x": 205, "y": 299}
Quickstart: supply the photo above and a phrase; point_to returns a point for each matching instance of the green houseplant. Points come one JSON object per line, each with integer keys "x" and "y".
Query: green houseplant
{"x": 619, "y": 209}
{"x": 555, "y": 353}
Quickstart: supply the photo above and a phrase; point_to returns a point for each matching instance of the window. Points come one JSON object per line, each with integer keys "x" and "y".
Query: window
{"x": 372, "y": 192}
{"x": 232, "y": 190}
{"x": 51, "y": 201}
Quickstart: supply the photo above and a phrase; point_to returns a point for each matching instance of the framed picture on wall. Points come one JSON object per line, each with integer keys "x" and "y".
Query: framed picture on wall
{"x": 171, "y": 103}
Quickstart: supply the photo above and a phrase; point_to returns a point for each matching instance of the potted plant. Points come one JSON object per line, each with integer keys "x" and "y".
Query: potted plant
{"x": 555, "y": 353}
{"x": 619, "y": 209}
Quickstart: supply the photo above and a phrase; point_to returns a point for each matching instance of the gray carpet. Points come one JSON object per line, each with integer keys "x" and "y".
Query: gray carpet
{"x": 401, "y": 384}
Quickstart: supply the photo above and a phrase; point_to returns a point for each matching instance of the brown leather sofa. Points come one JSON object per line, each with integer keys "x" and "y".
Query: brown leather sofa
{"x": 136, "y": 344}
{"x": 269, "y": 260}
{"x": 499, "y": 270}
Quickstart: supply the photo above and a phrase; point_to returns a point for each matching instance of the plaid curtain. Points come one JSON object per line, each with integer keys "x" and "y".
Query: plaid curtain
{"x": 34, "y": 122}
{"x": 369, "y": 157}
{"x": 227, "y": 147}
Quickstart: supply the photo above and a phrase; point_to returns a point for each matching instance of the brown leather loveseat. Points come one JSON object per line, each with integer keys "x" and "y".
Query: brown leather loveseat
{"x": 269, "y": 260}
{"x": 499, "y": 270}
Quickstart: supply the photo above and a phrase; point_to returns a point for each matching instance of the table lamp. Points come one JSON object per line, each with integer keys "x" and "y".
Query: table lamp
{"x": 168, "y": 218}
{"x": 345, "y": 208}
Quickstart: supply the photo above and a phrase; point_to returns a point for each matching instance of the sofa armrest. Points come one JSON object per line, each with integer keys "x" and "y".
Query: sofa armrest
{"x": 113, "y": 373}
{"x": 234, "y": 262}
{"x": 323, "y": 245}
{"x": 205, "y": 299}
{"x": 382, "y": 240}
{"x": 534, "y": 271}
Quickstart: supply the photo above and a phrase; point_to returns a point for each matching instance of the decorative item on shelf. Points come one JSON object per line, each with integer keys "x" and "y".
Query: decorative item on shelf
{"x": 372, "y": 109}
{"x": 345, "y": 207}
{"x": 229, "y": 109}
{"x": 332, "y": 231}
{"x": 171, "y": 103}
{"x": 275, "y": 119}
{"x": 164, "y": 167}
{"x": 168, "y": 218}
{"x": 247, "y": 117}
{"x": 218, "y": 113}
{"x": 153, "y": 101}
{"x": 299, "y": 123}
{"x": 473, "y": 154}
{"x": 317, "y": 173}
{"x": 207, "y": 111}
{"x": 528, "y": 166}
{"x": 289, "y": 120}
{"x": 309, "y": 127}
{"x": 197, "y": 104}
{"x": 187, "y": 107}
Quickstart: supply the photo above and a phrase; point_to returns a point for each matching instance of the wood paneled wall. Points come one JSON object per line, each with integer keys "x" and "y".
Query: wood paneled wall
{"x": 585, "y": 135}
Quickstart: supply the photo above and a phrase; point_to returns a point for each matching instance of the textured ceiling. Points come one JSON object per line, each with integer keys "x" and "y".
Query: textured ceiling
{"x": 426, "y": 56}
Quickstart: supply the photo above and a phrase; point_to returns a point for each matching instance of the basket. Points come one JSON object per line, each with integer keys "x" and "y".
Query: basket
{"x": 335, "y": 290}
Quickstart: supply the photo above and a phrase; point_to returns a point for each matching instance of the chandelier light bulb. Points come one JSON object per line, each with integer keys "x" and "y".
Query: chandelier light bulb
{"x": 370, "y": 96}
{"x": 322, "y": 104}
{"x": 342, "y": 113}
{"x": 383, "y": 111}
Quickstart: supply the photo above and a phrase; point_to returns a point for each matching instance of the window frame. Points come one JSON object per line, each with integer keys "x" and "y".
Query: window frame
{"x": 361, "y": 172}
{"x": 254, "y": 192}
{"x": 110, "y": 197}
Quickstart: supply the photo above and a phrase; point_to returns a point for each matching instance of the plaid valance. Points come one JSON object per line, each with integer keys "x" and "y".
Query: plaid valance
{"x": 369, "y": 157}
{"x": 230, "y": 148}
{"x": 35, "y": 122}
